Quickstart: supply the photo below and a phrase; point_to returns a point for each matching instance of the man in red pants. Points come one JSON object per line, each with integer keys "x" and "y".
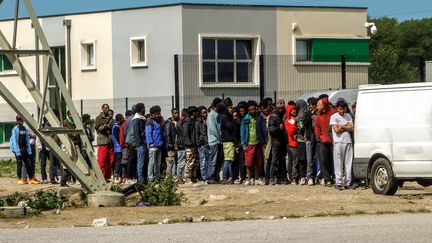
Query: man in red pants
{"x": 103, "y": 125}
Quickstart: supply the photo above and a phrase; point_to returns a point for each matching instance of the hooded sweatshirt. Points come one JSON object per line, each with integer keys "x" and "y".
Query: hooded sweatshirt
{"x": 322, "y": 123}
{"x": 291, "y": 126}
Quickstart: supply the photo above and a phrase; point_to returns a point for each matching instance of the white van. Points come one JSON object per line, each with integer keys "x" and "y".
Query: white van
{"x": 393, "y": 135}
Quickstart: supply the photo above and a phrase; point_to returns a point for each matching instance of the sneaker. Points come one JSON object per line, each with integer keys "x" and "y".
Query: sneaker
{"x": 302, "y": 181}
{"x": 237, "y": 181}
{"x": 328, "y": 184}
{"x": 44, "y": 182}
{"x": 293, "y": 182}
{"x": 34, "y": 181}
{"x": 247, "y": 182}
{"x": 260, "y": 182}
{"x": 117, "y": 180}
{"x": 339, "y": 187}
{"x": 22, "y": 181}
{"x": 311, "y": 182}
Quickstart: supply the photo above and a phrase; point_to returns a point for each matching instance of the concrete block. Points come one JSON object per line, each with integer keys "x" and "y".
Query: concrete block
{"x": 106, "y": 199}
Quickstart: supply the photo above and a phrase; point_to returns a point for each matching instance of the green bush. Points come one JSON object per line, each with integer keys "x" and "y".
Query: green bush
{"x": 15, "y": 198}
{"x": 163, "y": 193}
{"x": 46, "y": 200}
{"x": 2, "y": 202}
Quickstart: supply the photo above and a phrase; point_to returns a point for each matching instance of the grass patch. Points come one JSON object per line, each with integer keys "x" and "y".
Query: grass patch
{"x": 385, "y": 212}
{"x": 291, "y": 216}
{"x": 124, "y": 223}
{"x": 420, "y": 210}
{"x": 82, "y": 225}
{"x": 8, "y": 169}
{"x": 320, "y": 215}
{"x": 163, "y": 193}
{"x": 359, "y": 212}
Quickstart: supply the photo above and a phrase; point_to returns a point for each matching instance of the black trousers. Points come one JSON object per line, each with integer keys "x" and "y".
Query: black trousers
{"x": 219, "y": 162}
{"x": 325, "y": 154}
{"x": 276, "y": 163}
{"x": 24, "y": 159}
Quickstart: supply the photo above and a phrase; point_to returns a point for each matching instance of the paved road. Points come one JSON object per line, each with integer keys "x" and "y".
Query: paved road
{"x": 388, "y": 228}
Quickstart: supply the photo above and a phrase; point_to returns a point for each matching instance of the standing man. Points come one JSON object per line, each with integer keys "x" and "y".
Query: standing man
{"x": 253, "y": 135}
{"x": 342, "y": 124}
{"x": 103, "y": 125}
{"x": 213, "y": 135}
{"x": 325, "y": 149}
{"x": 115, "y": 136}
{"x": 278, "y": 137}
{"x": 20, "y": 145}
{"x": 188, "y": 132}
{"x": 138, "y": 141}
{"x": 155, "y": 141}
{"x": 311, "y": 141}
{"x": 202, "y": 141}
{"x": 170, "y": 134}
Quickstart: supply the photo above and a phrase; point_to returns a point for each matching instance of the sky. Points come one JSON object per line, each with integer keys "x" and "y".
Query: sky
{"x": 400, "y": 9}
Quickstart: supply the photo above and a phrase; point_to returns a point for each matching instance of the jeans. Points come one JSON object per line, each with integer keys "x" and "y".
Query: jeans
{"x": 55, "y": 169}
{"x": 228, "y": 170}
{"x": 326, "y": 161}
{"x": 181, "y": 157}
{"x": 141, "y": 163}
{"x": 118, "y": 165}
{"x": 24, "y": 159}
{"x": 211, "y": 162}
{"x": 203, "y": 164}
{"x": 310, "y": 154}
{"x": 44, "y": 154}
{"x": 154, "y": 165}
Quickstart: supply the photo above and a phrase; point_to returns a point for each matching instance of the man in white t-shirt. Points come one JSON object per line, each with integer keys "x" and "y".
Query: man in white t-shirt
{"x": 341, "y": 124}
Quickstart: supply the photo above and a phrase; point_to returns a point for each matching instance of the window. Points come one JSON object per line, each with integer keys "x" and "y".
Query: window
{"x": 302, "y": 50}
{"x": 331, "y": 50}
{"x": 88, "y": 55}
{"x": 5, "y": 64}
{"x": 6, "y": 131}
{"x": 229, "y": 60}
{"x": 138, "y": 52}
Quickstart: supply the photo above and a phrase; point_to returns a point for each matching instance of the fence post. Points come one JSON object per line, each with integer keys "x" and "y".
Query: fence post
{"x": 343, "y": 70}
{"x": 172, "y": 102}
{"x": 126, "y": 103}
{"x": 81, "y": 104}
{"x": 223, "y": 96}
{"x": 176, "y": 81}
{"x": 274, "y": 95}
{"x": 261, "y": 74}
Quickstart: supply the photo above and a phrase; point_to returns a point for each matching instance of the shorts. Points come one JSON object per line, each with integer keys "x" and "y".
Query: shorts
{"x": 229, "y": 151}
{"x": 254, "y": 155}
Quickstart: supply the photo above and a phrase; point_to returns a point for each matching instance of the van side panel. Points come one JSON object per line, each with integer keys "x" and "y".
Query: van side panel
{"x": 397, "y": 123}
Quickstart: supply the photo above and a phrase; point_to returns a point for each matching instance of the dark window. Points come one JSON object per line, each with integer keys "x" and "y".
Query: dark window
{"x": 5, "y": 64}
{"x": 227, "y": 60}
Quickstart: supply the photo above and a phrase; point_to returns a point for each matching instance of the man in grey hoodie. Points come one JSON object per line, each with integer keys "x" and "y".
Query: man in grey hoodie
{"x": 213, "y": 135}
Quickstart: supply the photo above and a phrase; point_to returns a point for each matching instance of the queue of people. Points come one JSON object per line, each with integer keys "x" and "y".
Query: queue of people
{"x": 265, "y": 143}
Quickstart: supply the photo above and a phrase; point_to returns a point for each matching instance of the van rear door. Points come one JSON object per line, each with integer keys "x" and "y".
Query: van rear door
{"x": 412, "y": 133}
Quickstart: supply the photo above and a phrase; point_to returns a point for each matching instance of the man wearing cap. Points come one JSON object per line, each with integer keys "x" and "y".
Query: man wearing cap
{"x": 342, "y": 124}
{"x": 20, "y": 145}
{"x": 278, "y": 145}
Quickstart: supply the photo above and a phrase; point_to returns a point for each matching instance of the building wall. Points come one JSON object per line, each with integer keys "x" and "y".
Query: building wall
{"x": 317, "y": 22}
{"x": 153, "y": 84}
{"x": 224, "y": 21}
{"x": 25, "y": 40}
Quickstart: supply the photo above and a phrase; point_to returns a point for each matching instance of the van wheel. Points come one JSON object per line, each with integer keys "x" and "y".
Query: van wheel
{"x": 382, "y": 178}
{"x": 424, "y": 182}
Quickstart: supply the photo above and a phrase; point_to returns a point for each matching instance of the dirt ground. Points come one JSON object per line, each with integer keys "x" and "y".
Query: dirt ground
{"x": 234, "y": 202}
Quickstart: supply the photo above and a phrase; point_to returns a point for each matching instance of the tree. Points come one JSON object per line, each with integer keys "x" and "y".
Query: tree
{"x": 398, "y": 50}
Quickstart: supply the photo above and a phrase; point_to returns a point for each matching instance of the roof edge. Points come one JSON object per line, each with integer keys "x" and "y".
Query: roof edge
{"x": 188, "y": 4}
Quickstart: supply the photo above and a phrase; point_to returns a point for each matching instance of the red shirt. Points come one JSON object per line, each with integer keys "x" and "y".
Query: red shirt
{"x": 122, "y": 136}
{"x": 322, "y": 126}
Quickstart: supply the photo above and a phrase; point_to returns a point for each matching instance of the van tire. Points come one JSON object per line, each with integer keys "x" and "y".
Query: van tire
{"x": 382, "y": 178}
{"x": 424, "y": 182}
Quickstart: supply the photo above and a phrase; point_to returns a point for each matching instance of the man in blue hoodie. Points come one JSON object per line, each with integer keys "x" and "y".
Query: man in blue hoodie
{"x": 20, "y": 145}
{"x": 155, "y": 141}
{"x": 118, "y": 151}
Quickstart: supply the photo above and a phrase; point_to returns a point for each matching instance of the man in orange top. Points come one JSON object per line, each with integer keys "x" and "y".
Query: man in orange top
{"x": 325, "y": 142}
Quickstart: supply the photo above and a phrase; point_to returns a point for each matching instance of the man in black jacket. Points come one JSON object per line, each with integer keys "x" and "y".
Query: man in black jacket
{"x": 278, "y": 138}
{"x": 188, "y": 140}
{"x": 170, "y": 135}
{"x": 202, "y": 141}
{"x": 138, "y": 140}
